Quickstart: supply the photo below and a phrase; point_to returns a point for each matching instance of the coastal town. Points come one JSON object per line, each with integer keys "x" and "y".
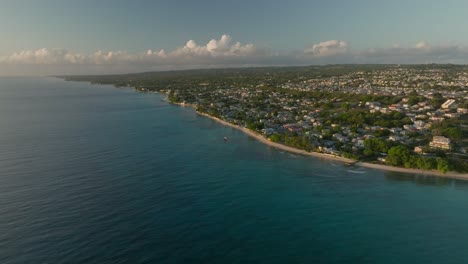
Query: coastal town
{"x": 406, "y": 116}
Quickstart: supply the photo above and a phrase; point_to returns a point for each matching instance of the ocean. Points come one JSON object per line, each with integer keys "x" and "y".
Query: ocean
{"x": 97, "y": 174}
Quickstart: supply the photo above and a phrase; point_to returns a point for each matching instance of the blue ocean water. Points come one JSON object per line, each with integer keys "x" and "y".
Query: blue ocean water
{"x": 95, "y": 174}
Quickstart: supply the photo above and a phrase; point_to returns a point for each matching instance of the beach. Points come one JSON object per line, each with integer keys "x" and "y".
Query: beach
{"x": 450, "y": 174}
{"x": 277, "y": 145}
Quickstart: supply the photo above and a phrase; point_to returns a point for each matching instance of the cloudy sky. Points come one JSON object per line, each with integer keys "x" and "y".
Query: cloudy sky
{"x": 116, "y": 36}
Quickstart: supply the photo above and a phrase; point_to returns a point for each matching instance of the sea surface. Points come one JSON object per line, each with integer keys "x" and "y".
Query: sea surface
{"x": 95, "y": 174}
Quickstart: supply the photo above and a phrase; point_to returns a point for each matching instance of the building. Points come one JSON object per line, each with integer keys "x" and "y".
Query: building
{"x": 440, "y": 142}
{"x": 418, "y": 149}
{"x": 449, "y": 104}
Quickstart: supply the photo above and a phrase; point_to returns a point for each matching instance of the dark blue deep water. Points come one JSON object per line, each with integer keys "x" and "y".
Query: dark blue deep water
{"x": 95, "y": 174}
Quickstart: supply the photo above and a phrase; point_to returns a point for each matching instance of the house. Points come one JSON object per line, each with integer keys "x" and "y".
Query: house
{"x": 452, "y": 115}
{"x": 437, "y": 118}
{"x": 440, "y": 142}
{"x": 394, "y": 138}
{"x": 418, "y": 149}
{"x": 449, "y": 104}
{"x": 395, "y": 129}
{"x": 358, "y": 142}
{"x": 340, "y": 137}
{"x": 268, "y": 131}
{"x": 419, "y": 124}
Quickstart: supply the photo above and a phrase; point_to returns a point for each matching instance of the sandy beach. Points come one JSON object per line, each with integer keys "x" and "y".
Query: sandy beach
{"x": 262, "y": 139}
{"x": 277, "y": 145}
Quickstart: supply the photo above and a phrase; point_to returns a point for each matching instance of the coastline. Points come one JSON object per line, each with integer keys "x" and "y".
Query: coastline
{"x": 449, "y": 174}
{"x": 277, "y": 145}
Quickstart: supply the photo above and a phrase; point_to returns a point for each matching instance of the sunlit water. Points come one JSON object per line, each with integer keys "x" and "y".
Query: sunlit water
{"x": 95, "y": 174}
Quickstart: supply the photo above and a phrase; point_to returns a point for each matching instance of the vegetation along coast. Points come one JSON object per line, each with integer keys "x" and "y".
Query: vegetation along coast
{"x": 450, "y": 174}
{"x": 406, "y": 118}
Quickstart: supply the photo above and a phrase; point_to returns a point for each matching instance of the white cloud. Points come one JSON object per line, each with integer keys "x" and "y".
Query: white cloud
{"x": 43, "y": 56}
{"x": 191, "y": 54}
{"x": 327, "y": 48}
{"x": 215, "y": 48}
{"x": 222, "y": 52}
{"x": 422, "y": 45}
{"x": 421, "y": 52}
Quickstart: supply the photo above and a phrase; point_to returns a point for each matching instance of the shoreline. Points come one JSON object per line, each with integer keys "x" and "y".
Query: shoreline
{"x": 449, "y": 174}
{"x": 277, "y": 145}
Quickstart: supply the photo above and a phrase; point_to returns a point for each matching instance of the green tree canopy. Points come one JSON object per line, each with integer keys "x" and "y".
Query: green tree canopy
{"x": 398, "y": 156}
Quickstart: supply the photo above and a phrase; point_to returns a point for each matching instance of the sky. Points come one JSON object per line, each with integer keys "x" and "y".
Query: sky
{"x": 50, "y": 37}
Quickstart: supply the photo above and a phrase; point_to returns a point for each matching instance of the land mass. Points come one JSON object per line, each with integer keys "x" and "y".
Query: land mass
{"x": 408, "y": 118}
{"x": 347, "y": 161}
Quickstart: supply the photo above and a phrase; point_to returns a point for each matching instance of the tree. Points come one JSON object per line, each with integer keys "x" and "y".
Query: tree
{"x": 437, "y": 100}
{"x": 413, "y": 100}
{"x": 442, "y": 165}
{"x": 413, "y": 93}
{"x": 201, "y": 109}
{"x": 345, "y": 106}
{"x": 426, "y": 163}
{"x": 328, "y": 105}
{"x": 254, "y": 125}
{"x": 382, "y": 133}
{"x": 454, "y": 133}
{"x": 276, "y": 137}
{"x": 398, "y": 156}
{"x": 373, "y": 146}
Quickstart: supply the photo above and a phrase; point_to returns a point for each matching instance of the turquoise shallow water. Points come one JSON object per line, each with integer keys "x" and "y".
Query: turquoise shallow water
{"x": 94, "y": 174}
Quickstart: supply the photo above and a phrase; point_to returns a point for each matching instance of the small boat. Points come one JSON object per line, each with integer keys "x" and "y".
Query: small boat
{"x": 225, "y": 139}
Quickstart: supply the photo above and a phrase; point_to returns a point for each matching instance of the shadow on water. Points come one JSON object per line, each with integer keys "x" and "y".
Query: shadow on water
{"x": 423, "y": 179}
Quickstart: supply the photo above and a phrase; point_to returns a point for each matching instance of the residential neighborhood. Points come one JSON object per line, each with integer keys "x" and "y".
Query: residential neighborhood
{"x": 359, "y": 112}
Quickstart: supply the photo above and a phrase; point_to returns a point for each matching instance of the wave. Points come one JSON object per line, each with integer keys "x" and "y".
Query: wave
{"x": 356, "y": 172}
